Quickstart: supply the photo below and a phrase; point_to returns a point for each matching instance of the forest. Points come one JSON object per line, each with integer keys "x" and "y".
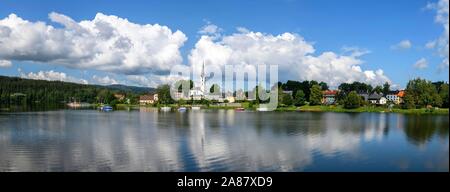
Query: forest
{"x": 19, "y": 91}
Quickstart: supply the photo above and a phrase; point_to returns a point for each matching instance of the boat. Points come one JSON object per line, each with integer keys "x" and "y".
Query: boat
{"x": 106, "y": 108}
{"x": 240, "y": 109}
{"x": 195, "y": 108}
{"x": 165, "y": 109}
{"x": 262, "y": 109}
{"x": 78, "y": 105}
{"x": 182, "y": 109}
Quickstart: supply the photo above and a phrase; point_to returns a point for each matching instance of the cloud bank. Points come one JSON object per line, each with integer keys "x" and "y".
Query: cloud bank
{"x": 106, "y": 43}
{"x": 441, "y": 44}
{"x": 5, "y": 63}
{"x": 144, "y": 53}
{"x": 51, "y": 76}
{"x": 295, "y": 57}
{"x": 106, "y": 80}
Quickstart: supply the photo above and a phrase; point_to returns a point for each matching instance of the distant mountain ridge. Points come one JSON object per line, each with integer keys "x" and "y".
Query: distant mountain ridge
{"x": 127, "y": 88}
{"x": 115, "y": 87}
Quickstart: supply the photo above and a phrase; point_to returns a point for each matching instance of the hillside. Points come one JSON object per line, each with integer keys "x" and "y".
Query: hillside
{"x": 15, "y": 90}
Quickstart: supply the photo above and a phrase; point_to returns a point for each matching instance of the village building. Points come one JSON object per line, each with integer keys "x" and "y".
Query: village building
{"x": 119, "y": 96}
{"x": 230, "y": 99}
{"x": 364, "y": 96}
{"x": 148, "y": 99}
{"x": 198, "y": 93}
{"x": 377, "y": 99}
{"x": 289, "y": 92}
{"x": 329, "y": 97}
{"x": 395, "y": 97}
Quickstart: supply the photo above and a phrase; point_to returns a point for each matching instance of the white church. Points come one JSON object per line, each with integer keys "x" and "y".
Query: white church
{"x": 198, "y": 92}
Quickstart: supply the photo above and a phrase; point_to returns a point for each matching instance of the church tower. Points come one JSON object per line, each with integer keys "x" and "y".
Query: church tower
{"x": 202, "y": 80}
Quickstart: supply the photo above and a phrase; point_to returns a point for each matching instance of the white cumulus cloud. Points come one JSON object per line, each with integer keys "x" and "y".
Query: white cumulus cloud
{"x": 106, "y": 43}
{"x": 295, "y": 57}
{"x": 405, "y": 44}
{"x": 106, "y": 80}
{"x": 441, "y": 43}
{"x": 421, "y": 64}
{"x": 51, "y": 76}
{"x": 210, "y": 29}
{"x": 152, "y": 80}
{"x": 5, "y": 63}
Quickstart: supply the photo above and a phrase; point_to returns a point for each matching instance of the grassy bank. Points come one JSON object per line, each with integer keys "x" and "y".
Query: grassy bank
{"x": 376, "y": 109}
{"x": 318, "y": 108}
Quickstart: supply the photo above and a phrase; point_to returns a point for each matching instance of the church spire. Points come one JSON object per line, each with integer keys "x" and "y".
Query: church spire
{"x": 202, "y": 79}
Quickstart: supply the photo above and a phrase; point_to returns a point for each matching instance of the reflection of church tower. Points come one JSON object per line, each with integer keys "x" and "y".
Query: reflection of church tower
{"x": 202, "y": 80}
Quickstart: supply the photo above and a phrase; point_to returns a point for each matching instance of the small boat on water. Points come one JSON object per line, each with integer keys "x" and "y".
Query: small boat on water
{"x": 106, "y": 108}
{"x": 182, "y": 109}
{"x": 195, "y": 108}
{"x": 262, "y": 109}
{"x": 240, "y": 109}
{"x": 165, "y": 109}
{"x": 78, "y": 104}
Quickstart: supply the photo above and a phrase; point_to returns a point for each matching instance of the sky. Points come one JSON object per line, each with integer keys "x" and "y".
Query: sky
{"x": 138, "y": 42}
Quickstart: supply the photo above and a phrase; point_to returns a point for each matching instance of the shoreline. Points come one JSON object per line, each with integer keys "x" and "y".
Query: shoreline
{"x": 366, "y": 109}
{"x": 321, "y": 108}
{"x": 306, "y": 108}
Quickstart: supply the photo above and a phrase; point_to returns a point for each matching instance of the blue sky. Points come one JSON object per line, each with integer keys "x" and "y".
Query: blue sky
{"x": 329, "y": 25}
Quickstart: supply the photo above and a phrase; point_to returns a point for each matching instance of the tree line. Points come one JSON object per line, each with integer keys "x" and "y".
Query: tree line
{"x": 19, "y": 91}
{"x": 13, "y": 90}
{"x": 419, "y": 93}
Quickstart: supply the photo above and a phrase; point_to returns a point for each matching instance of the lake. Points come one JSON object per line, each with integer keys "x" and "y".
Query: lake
{"x": 222, "y": 140}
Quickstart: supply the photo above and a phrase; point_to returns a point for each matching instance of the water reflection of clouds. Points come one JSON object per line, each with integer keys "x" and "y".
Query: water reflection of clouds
{"x": 222, "y": 140}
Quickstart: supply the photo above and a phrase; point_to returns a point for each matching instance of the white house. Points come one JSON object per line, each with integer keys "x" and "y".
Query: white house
{"x": 377, "y": 99}
{"x": 395, "y": 97}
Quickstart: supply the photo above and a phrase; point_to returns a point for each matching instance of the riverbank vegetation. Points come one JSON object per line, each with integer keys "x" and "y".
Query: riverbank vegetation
{"x": 421, "y": 96}
{"x": 16, "y": 91}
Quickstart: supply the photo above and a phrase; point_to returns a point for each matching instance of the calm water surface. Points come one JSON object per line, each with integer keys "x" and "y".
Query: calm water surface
{"x": 221, "y": 140}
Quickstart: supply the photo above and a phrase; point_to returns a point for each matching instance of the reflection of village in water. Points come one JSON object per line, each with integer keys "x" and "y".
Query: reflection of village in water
{"x": 223, "y": 140}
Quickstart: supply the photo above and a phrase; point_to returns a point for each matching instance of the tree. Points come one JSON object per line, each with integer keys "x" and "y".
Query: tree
{"x": 316, "y": 95}
{"x": 179, "y": 84}
{"x": 164, "y": 94}
{"x": 214, "y": 89}
{"x": 386, "y": 88}
{"x": 182, "y": 102}
{"x": 409, "y": 102}
{"x": 104, "y": 96}
{"x": 300, "y": 99}
{"x": 352, "y": 101}
{"x": 323, "y": 86}
{"x": 359, "y": 87}
{"x": 443, "y": 93}
{"x": 378, "y": 89}
{"x": 287, "y": 99}
{"x": 423, "y": 92}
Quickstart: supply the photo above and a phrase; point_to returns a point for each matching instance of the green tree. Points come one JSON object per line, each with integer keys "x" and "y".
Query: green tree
{"x": 182, "y": 102}
{"x": 378, "y": 89}
{"x": 164, "y": 94}
{"x": 179, "y": 85}
{"x": 300, "y": 99}
{"x": 386, "y": 88}
{"x": 443, "y": 93}
{"x": 323, "y": 86}
{"x": 316, "y": 95}
{"x": 287, "y": 99}
{"x": 215, "y": 88}
{"x": 409, "y": 102}
{"x": 352, "y": 101}
{"x": 423, "y": 92}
